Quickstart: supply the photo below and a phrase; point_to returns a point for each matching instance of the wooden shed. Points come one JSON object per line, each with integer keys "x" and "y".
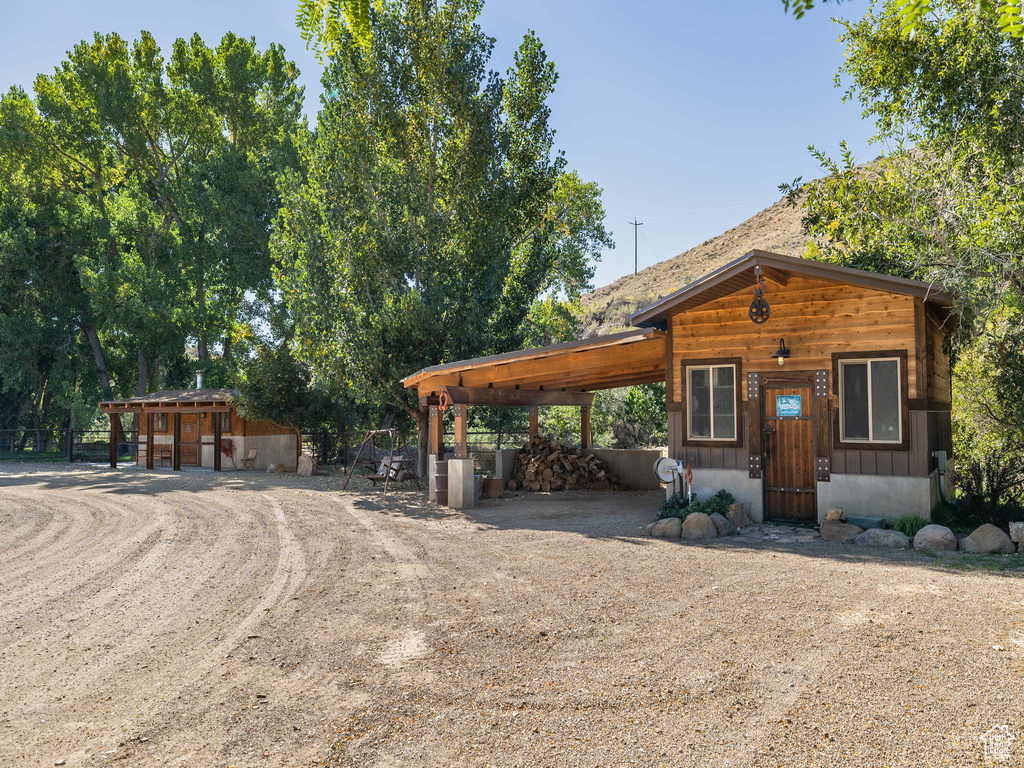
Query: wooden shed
{"x": 833, "y": 390}
{"x": 200, "y": 428}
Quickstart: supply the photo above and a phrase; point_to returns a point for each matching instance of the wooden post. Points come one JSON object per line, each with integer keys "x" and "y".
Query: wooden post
{"x": 436, "y": 431}
{"x": 176, "y": 443}
{"x": 113, "y": 440}
{"x": 534, "y": 420}
{"x": 461, "y": 434}
{"x": 585, "y": 427}
{"x": 216, "y": 441}
{"x": 149, "y": 441}
{"x": 71, "y": 443}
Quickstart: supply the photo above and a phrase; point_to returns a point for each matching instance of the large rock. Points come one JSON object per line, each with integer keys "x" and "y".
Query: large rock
{"x": 306, "y": 465}
{"x": 935, "y": 538}
{"x": 737, "y": 514}
{"x": 880, "y": 537}
{"x": 987, "y": 539}
{"x": 833, "y": 530}
{"x": 834, "y": 515}
{"x": 724, "y": 526}
{"x": 698, "y": 526}
{"x": 668, "y": 528}
{"x": 1017, "y": 532}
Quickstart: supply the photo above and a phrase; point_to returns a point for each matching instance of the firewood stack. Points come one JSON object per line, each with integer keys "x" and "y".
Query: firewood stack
{"x": 547, "y": 465}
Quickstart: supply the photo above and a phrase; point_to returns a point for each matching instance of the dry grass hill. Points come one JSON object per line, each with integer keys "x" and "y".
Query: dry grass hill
{"x": 776, "y": 228}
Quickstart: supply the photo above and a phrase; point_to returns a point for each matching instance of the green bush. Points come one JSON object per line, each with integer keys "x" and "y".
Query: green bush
{"x": 678, "y": 505}
{"x": 910, "y": 525}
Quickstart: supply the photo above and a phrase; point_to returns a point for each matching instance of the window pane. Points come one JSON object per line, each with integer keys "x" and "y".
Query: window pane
{"x": 885, "y": 400}
{"x": 700, "y": 403}
{"x": 725, "y": 402}
{"x": 855, "y": 401}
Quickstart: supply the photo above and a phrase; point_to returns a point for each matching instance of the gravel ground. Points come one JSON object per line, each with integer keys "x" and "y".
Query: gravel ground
{"x": 157, "y": 619}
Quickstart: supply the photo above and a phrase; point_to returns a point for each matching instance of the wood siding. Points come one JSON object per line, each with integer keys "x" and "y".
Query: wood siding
{"x": 239, "y": 426}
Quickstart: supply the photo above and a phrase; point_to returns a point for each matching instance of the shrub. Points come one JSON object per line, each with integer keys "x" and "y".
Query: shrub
{"x": 910, "y": 525}
{"x": 678, "y": 505}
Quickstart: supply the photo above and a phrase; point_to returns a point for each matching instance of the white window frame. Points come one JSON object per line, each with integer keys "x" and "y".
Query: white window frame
{"x": 710, "y": 368}
{"x": 871, "y": 426}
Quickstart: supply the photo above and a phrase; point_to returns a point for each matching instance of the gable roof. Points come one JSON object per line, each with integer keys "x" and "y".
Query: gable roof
{"x": 173, "y": 396}
{"x": 739, "y": 274}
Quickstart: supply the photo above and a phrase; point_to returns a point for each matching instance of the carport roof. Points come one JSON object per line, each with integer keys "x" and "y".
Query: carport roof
{"x": 602, "y": 362}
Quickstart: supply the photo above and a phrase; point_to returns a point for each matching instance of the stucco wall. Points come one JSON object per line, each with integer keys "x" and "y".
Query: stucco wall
{"x": 708, "y": 482}
{"x": 635, "y": 467}
{"x": 271, "y": 449}
{"x": 879, "y": 496}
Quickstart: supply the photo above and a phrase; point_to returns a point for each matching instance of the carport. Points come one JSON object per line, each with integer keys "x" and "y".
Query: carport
{"x": 559, "y": 374}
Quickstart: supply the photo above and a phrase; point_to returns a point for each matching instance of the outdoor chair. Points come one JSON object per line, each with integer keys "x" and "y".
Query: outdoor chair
{"x": 249, "y": 462}
{"x": 165, "y": 455}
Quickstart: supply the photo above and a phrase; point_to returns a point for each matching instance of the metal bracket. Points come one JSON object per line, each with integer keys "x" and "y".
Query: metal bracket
{"x": 824, "y": 468}
{"x": 821, "y": 383}
{"x": 755, "y": 466}
{"x": 753, "y": 385}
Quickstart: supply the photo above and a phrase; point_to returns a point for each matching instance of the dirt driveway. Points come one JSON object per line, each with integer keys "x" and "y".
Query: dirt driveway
{"x": 151, "y": 619}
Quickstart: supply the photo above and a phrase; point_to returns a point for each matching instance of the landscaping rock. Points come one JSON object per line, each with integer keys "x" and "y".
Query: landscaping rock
{"x": 987, "y": 539}
{"x": 834, "y": 515}
{"x": 724, "y": 526}
{"x": 698, "y": 526}
{"x": 935, "y": 538}
{"x": 272, "y": 469}
{"x": 833, "y": 530}
{"x": 737, "y": 514}
{"x": 306, "y": 466}
{"x": 1017, "y": 532}
{"x": 880, "y": 537}
{"x": 665, "y": 529}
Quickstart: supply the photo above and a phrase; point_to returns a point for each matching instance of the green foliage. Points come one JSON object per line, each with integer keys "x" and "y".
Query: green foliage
{"x": 678, "y": 505}
{"x": 909, "y": 525}
{"x": 912, "y": 15}
{"x": 324, "y": 24}
{"x": 277, "y": 387}
{"x": 433, "y": 211}
{"x": 989, "y": 485}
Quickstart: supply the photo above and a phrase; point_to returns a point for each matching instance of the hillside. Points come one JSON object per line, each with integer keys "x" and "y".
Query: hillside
{"x": 776, "y": 228}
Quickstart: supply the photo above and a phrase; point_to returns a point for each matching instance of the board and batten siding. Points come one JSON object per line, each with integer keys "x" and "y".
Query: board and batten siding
{"x": 817, "y": 319}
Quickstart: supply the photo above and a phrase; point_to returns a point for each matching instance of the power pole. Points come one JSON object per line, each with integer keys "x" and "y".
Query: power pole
{"x": 636, "y": 228}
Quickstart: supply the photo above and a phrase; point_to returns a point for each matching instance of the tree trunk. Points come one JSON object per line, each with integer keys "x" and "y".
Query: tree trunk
{"x": 141, "y": 386}
{"x": 201, "y": 307}
{"x": 422, "y": 417}
{"x": 97, "y": 355}
{"x": 226, "y": 356}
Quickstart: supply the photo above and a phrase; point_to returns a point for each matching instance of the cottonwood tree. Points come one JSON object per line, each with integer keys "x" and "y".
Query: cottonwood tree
{"x": 433, "y": 209}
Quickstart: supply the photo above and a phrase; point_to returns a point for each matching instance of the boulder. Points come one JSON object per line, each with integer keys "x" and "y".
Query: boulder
{"x": 935, "y": 538}
{"x": 987, "y": 539}
{"x": 737, "y": 514}
{"x": 880, "y": 537}
{"x": 698, "y": 526}
{"x": 724, "y": 526}
{"x": 306, "y": 465}
{"x": 667, "y": 528}
{"x": 833, "y": 530}
{"x": 834, "y": 515}
{"x": 1017, "y": 532}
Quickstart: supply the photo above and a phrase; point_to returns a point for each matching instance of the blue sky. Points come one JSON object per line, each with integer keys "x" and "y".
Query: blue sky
{"x": 689, "y": 114}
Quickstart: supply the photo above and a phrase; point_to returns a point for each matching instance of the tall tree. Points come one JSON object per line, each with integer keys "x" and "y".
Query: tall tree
{"x": 434, "y": 210}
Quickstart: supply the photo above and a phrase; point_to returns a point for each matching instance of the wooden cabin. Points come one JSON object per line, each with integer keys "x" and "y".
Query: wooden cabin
{"x": 796, "y": 385}
{"x": 839, "y": 397}
{"x": 183, "y": 428}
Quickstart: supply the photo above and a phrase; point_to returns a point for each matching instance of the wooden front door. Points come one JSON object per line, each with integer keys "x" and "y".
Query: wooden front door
{"x": 787, "y": 432}
{"x": 189, "y": 445}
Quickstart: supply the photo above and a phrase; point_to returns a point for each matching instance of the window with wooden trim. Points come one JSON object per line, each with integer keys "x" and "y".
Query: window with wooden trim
{"x": 159, "y": 422}
{"x": 711, "y": 402}
{"x": 225, "y": 421}
{"x": 869, "y": 401}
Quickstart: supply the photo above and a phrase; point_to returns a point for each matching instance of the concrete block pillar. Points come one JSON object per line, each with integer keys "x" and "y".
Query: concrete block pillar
{"x": 505, "y": 463}
{"x": 431, "y": 478}
{"x": 461, "y": 484}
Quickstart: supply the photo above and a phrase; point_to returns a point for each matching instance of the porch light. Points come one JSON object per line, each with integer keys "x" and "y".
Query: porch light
{"x": 782, "y": 352}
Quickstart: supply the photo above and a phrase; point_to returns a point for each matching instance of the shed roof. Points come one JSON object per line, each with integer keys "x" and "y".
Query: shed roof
{"x": 739, "y": 274}
{"x": 170, "y": 398}
{"x": 632, "y": 357}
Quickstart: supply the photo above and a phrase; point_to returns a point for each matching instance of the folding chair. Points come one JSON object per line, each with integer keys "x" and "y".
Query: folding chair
{"x": 249, "y": 462}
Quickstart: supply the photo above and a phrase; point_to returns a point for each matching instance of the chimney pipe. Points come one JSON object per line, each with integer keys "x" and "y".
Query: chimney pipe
{"x": 199, "y": 379}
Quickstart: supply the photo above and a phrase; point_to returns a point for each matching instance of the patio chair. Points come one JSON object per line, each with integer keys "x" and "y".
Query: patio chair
{"x": 165, "y": 455}
{"x": 249, "y": 462}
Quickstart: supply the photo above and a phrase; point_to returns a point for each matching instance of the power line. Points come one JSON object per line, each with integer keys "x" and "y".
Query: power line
{"x": 636, "y": 228}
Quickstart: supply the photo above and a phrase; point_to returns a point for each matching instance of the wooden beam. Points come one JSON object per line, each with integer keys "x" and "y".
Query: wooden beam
{"x": 113, "y": 440}
{"x": 515, "y": 397}
{"x": 149, "y": 441}
{"x": 176, "y": 443}
{"x": 461, "y": 432}
{"x": 436, "y": 431}
{"x": 216, "y": 442}
{"x": 776, "y": 276}
{"x": 534, "y": 420}
{"x": 585, "y": 427}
